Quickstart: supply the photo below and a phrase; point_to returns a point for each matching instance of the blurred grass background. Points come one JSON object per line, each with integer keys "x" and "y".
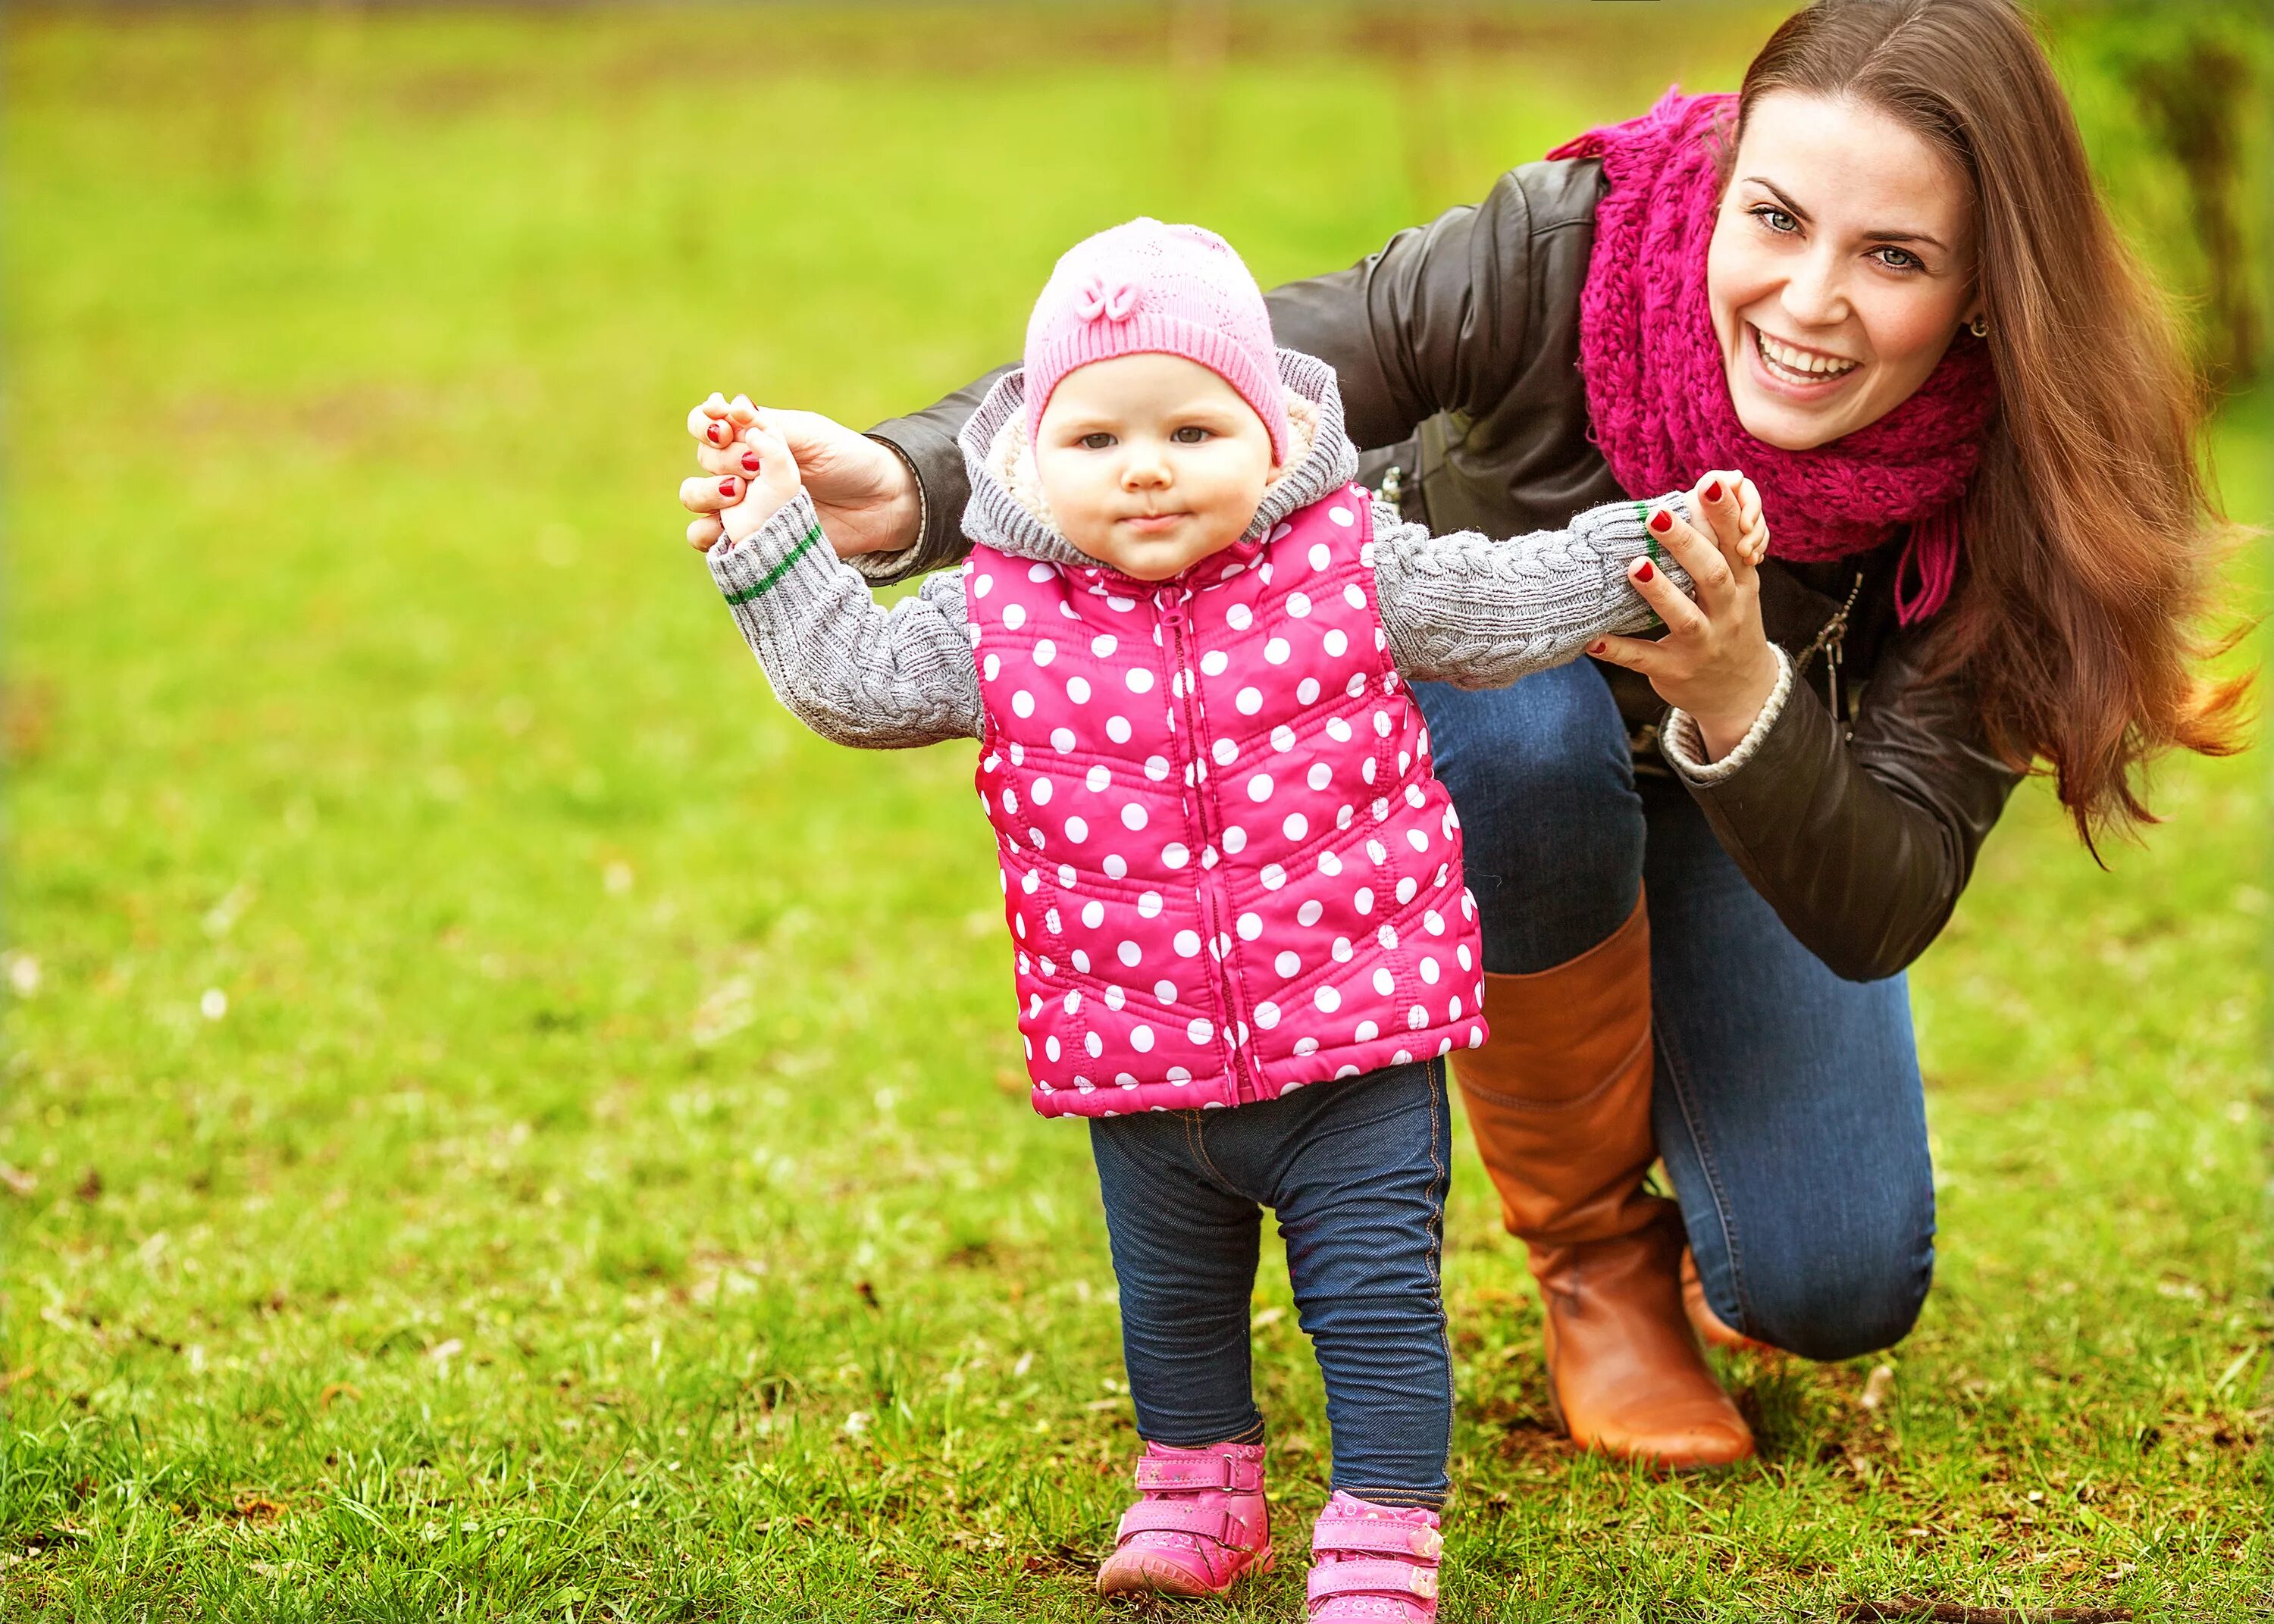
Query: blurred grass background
{"x": 498, "y": 1121}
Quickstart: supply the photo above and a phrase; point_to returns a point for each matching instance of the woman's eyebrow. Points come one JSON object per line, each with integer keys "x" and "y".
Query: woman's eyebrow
{"x": 1783, "y": 198}
{"x": 1906, "y": 236}
{"x": 1785, "y": 202}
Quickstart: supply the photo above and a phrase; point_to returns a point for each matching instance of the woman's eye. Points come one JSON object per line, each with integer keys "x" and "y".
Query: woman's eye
{"x": 1189, "y": 436}
{"x": 1096, "y": 442}
{"x": 1775, "y": 219}
{"x": 1897, "y": 259}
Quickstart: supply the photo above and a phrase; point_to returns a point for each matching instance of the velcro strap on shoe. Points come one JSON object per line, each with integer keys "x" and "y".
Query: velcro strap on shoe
{"x": 1373, "y": 1579}
{"x": 1174, "y": 1473}
{"x": 1379, "y": 1535}
{"x": 1176, "y": 1516}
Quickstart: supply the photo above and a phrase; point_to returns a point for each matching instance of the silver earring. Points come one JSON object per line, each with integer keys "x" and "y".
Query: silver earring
{"x": 1979, "y": 327}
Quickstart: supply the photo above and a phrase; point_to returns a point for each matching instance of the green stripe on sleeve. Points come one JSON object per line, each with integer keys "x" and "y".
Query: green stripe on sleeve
{"x": 766, "y": 583}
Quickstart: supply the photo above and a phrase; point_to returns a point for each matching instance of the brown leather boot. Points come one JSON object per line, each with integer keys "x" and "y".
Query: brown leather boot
{"x": 1559, "y": 1098}
{"x": 1711, "y": 1329}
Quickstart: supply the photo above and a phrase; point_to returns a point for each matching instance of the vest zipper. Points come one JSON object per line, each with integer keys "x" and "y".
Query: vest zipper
{"x": 1183, "y": 687}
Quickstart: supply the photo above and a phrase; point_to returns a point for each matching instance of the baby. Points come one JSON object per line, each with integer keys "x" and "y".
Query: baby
{"x": 1184, "y": 640}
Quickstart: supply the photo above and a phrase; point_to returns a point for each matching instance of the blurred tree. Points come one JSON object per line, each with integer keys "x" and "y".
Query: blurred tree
{"x": 2195, "y": 104}
{"x": 2193, "y": 74}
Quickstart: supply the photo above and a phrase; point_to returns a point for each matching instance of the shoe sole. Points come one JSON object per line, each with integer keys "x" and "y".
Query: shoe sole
{"x": 1141, "y": 1573}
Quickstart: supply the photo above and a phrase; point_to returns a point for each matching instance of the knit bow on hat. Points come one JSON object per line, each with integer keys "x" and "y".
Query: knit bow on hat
{"x": 1106, "y": 301}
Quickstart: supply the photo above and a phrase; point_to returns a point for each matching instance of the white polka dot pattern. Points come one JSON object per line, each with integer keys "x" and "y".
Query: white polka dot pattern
{"x": 1235, "y": 873}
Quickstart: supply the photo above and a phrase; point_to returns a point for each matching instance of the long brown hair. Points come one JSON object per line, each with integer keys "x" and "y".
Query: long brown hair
{"x": 2089, "y": 531}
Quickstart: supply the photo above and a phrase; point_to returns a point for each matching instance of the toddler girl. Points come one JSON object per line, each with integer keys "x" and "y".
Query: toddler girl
{"x": 1184, "y": 640}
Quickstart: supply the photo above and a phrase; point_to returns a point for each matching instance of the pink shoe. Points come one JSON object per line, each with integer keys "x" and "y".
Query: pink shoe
{"x": 1199, "y": 1524}
{"x": 1370, "y": 1561}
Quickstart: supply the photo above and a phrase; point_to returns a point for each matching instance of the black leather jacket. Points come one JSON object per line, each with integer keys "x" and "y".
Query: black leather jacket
{"x": 1859, "y": 815}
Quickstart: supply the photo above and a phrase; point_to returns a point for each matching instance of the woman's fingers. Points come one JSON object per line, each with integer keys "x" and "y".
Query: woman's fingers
{"x": 704, "y": 533}
{"x": 768, "y": 454}
{"x": 1634, "y": 653}
{"x": 1709, "y": 571}
{"x": 1682, "y": 617}
{"x": 1719, "y": 502}
{"x": 708, "y": 426}
{"x": 706, "y": 494}
{"x": 738, "y": 458}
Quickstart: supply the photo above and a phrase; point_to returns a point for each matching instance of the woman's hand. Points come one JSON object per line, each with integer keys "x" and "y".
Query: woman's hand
{"x": 863, "y": 493}
{"x": 739, "y": 506}
{"x": 1714, "y": 661}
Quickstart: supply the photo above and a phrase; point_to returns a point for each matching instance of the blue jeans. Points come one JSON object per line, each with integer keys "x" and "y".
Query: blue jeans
{"x": 1356, "y": 1171}
{"x": 1788, "y": 1105}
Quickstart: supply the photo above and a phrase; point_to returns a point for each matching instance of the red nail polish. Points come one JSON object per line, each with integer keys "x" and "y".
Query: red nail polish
{"x": 1646, "y": 571}
{"x": 750, "y": 463}
{"x": 726, "y": 488}
{"x": 1597, "y": 648}
{"x": 716, "y": 434}
{"x": 1662, "y": 521}
{"x": 1713, "y": 492}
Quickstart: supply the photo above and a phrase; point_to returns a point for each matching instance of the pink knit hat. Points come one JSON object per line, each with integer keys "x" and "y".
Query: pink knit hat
{"x": 1147, "y": 288}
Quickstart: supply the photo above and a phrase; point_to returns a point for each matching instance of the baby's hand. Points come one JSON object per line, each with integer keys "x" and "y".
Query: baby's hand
{"x": 1729, "y": 509}
{"x": 752, "y": 475}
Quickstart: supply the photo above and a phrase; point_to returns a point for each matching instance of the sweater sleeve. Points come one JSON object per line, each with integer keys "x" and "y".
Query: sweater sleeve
{"x": 1478, "y": 613}
{"x": 853, "y": 671}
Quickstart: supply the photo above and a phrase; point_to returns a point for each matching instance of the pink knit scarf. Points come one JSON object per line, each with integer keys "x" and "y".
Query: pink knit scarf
{"x": 1660, "y": 400}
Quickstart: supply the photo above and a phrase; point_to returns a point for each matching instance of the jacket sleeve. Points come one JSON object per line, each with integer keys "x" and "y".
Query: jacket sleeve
{"x": 1479, "y": 612}
{"x": 853, "y": 671}
{"x": 1862, "y": 844}
{"x": 1436, "y": 320}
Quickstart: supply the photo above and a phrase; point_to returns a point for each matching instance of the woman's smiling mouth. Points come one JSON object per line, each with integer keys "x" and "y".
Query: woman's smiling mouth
{"x": 1797, "y": 367}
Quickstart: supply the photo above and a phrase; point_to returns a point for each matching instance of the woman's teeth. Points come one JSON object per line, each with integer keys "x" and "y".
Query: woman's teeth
{"x": 1800, "y": 365}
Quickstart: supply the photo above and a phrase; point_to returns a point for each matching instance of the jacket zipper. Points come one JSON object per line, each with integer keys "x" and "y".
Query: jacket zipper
{"x": 1184, "y": 686}
{"x": 1830, "y": 643}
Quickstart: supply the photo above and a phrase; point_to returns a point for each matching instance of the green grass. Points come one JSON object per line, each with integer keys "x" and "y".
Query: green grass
{"x": 509, "y": 1126}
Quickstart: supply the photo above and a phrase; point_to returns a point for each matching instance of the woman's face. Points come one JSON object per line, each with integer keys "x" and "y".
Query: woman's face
{"x": 1842, "y": 265}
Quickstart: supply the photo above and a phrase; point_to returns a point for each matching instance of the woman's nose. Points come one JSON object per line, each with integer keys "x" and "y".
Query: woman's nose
{"x": 1815, "y": 295}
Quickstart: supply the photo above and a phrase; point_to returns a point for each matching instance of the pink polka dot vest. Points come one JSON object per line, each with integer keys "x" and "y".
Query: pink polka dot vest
{"x": 1227, "y": 867}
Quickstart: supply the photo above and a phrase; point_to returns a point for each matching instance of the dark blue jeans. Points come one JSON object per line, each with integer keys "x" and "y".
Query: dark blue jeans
{"x": 1787, "y": 1105}
{"x": 1356, "y": 1172}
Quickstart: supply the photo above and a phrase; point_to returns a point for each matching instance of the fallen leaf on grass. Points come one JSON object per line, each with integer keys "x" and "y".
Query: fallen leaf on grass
{"x": 338, "y": 1389}
{"x": 18, "y": 1182}
{"x": 89, "y": 1187}
{"x": 23, "y": 1373}
{"x": 1877, "y": 1385}
{"x": 256, "y": 1508}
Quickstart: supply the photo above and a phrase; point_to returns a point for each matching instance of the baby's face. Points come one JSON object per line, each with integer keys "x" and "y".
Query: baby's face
{"x": 1151, "y": 462}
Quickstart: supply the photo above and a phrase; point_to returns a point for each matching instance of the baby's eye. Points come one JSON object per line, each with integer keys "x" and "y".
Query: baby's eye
{"x": 1096, "y": 442}
{"x": 1774, "y": 218}
{"x": 1190, "y": 435}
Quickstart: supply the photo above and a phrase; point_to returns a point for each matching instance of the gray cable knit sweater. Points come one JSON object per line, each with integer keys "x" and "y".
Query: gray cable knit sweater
{"x": 1463, "y": 608}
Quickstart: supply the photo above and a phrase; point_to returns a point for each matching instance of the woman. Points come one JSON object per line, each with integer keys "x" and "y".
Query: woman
{"x": 1881, "y": 282}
